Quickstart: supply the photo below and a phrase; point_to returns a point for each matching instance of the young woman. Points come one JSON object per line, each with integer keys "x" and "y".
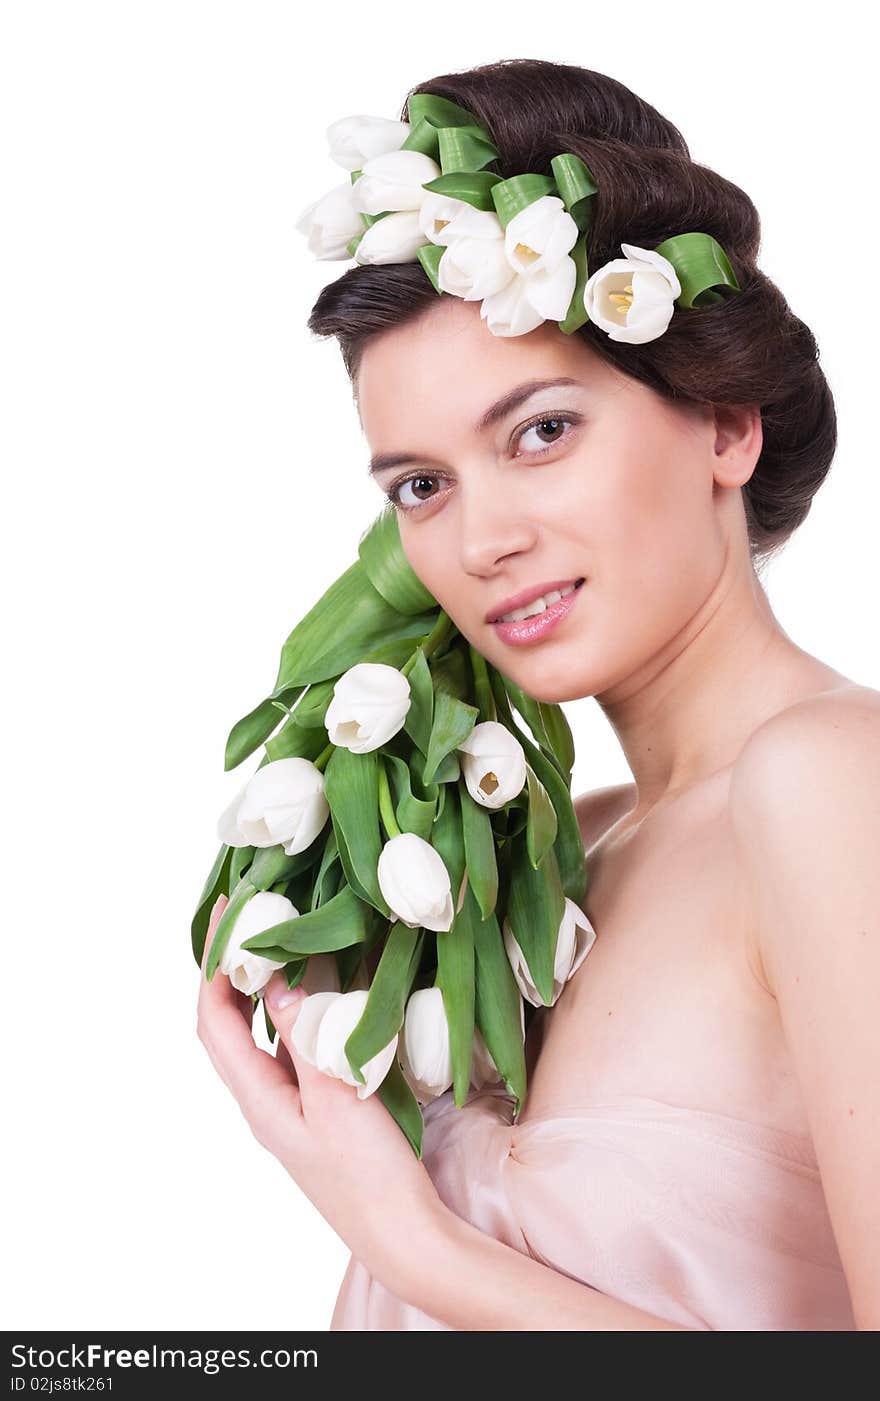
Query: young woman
{"x": 701, "y": 1138}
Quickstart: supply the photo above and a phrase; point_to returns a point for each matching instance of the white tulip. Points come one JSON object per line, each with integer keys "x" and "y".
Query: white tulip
{"x": 369, "y": 705}
{"x": 246, "y": 970}
{"x": 415, "y": 882}
{"x": 325, "y": 1022}
{"x": 394, "y": 181}
{"x": 282, "y": 804}
{"x": 356, "y": 139}
{"x": 633, "y": 298}
{"x": 331, "y": 222}
{"x": 474, "y": 268}
{"x": 573, "y": 942}
{"x": 395, "y": 239}
{"x": 493, "y": 764}
{"x": 510, "y": 312}
{"x": 425, "y": 1056}
{"x": 540, "y": 236}
{"x": 442, "y": 218}
{"x": 484, "y": 1071}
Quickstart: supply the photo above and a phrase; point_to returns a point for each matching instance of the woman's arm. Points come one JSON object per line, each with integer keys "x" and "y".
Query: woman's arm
{"x": 805, "y": 808}
{"x": 474, "y": 1282}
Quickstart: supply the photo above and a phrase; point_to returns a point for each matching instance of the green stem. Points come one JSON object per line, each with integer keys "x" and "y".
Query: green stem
{"x": 482, "y": 685}
{"x": 440, "y": 632}
{"x": 323, "y": 757}
{"x": 386, "y": 806}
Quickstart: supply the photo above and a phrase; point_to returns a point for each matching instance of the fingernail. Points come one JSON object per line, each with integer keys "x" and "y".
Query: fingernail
{"x": 279, "y": 995}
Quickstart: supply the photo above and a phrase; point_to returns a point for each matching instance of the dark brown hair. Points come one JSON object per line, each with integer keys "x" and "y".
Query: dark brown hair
{"x": 750, "y": 349}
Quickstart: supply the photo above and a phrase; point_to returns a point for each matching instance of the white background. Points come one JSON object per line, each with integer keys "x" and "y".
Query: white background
{"x": 184, "y": 476}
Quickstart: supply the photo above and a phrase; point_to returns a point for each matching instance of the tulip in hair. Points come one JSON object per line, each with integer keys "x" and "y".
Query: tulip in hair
{"x": 633, "y": 298}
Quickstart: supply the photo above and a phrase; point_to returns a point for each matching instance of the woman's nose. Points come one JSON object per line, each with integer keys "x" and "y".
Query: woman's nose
{"x": 493, "y": 524}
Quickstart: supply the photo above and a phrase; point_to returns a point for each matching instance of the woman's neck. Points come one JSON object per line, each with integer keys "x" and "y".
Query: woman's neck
{"x": 688, "y": 712}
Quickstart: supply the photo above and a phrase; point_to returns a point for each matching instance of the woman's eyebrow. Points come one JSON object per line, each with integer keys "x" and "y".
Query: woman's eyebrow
{"x": 514, "y": 397}
{"x": 495, "y": 412}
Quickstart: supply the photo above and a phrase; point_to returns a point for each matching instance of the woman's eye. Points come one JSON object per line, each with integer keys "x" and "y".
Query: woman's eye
{"x": 549, "y": 428}
{"x": 419, "y": 484}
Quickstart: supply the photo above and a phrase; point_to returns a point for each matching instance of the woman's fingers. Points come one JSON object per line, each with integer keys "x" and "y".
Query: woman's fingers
{"x": 286, "y": 1007}
{"x": 267, "y": 1096}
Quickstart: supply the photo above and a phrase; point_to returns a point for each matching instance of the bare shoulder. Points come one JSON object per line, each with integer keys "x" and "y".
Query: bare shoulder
{"x": 836, "y": 729}
{"x": 600, "y": 808}
{"x": 804, "y": 807}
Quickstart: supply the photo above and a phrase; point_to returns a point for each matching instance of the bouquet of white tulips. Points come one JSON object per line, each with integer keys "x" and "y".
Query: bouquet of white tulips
{"x": 404, "y": 847}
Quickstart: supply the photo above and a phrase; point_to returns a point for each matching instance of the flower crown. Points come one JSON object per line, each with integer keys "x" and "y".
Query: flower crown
{"x": 421, "y": 191}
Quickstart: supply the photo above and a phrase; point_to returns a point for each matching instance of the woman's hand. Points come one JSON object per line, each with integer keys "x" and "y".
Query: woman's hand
{"x": 347, "y": 1154}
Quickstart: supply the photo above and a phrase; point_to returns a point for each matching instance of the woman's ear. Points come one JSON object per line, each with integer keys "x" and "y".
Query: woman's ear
{"x": 739, "y": 438}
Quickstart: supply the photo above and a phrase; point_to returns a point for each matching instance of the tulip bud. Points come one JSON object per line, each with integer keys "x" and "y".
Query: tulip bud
{"x": 394, "y": 239}
{"x": 369, "y": 705}
{"x": 493, "y": 764}
{"x": 425, "y": 1057}
{"x": 574, "y": 940}
{"x": 331, "y": 222}
{"x": 282, "y": 804}
{"x": 324, "y": 1024}
{"x": 484, "y": 1071}
{"x": 354, "y": 140}
{"x": 415, "y": 882}
{"x": 394, "y": 181}
{"x": 246, "y": 970}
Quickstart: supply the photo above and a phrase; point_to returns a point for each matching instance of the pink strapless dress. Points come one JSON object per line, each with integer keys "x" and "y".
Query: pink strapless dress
{"x": 699, "y": 1218}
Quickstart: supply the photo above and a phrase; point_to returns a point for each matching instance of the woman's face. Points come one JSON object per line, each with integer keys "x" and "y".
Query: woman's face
{"x": 595, "y": 478}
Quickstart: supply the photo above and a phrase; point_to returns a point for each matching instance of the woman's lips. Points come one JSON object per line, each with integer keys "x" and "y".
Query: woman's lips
{"x": 527, "y": 630}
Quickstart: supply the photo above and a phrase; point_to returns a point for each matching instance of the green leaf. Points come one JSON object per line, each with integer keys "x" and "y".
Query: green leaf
{"x": 396, "y": 653}
{"x": 217, "y": 884}
{"x": 349, "y": 619}
{"x": 253, "y": 729}
{"x": 546, "y": 722}
{"x": 329, "y": 875}
{"x": 449, "y": 842}
{"x": 541, "y": 826}
{"x": 482, "y": 685}
{"x": 498, "y": 1012}
{"x": 312, "y": 708}
{"x": 450, "y": 673}
{"x": 242, "y": 856}
{"x": 569, "y": 845}
{"x": 421, "y": 708}
{"x": 294, "y": 741}
{"x": 453, "y": 722}
{"x": 479, "y": 849}
{"x": 351, "y": 787}
{"x": 272, "y": 864}
{"x": 238, "y": 899}
{"x": 388, "y": 569}
{"x": 403, "y": 1106}
{"x": 535, "y": 906}
{"x": 383, "y": 1013}
{"x": 455, "y": 978}
{"x": 413, "y": 814}
{"x": 343, "y": 921}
